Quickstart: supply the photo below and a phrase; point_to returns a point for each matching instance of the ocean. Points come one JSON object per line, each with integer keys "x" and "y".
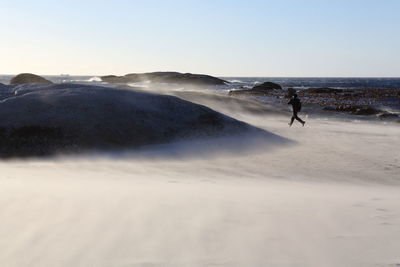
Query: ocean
{"x": 387, "y": 104}
{"x": 296, "y": 82}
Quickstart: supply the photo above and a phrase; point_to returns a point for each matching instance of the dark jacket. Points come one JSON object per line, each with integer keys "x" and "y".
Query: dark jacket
{"x": 296, "y": 104}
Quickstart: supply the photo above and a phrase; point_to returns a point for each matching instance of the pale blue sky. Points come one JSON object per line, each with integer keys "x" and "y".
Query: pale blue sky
{"x": 217, "y": 37}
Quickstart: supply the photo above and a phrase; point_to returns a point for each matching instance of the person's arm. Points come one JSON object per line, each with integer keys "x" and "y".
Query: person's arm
{"x": 290, "y": 102}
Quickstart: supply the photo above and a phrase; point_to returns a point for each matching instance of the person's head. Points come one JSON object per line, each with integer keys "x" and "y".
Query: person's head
{"x": 294, "y": 95}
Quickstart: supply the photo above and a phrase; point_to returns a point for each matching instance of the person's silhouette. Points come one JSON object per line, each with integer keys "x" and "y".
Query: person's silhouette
{"x": 296, "y": 105}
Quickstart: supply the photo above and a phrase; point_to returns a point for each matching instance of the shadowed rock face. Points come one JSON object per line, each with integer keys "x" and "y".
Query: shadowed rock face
{"x": 387, "y": 115}
{"x": 165, "y": 77}
{"x": 28, "y": 78}
{"x": 363, "y": 110}
{"x": 267, "y": 86}
{"x": 354, "y": 109}
{"x": 261, "y": 89}
{"x": 48, "y": 119}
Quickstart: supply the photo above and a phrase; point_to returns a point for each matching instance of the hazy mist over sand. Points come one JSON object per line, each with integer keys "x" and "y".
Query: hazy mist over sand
{"x": 330, "y": 198}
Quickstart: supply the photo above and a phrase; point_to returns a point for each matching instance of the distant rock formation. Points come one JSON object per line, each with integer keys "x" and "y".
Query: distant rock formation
{"x": 49, "y": 119}
{"x": 28, "y": 78}
{"x": 267, "y": 86}
{"x": 354, "y": 109}
{"x": 363, "y": 110}
{"x": 261, "y": 89}
{"x": 387, "y": 115}
{"x": 165, "y": 77}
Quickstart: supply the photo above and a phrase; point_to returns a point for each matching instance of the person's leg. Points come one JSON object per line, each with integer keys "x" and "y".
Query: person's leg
{"x": 291, "y": 120}
{"x": 297, "y": 118}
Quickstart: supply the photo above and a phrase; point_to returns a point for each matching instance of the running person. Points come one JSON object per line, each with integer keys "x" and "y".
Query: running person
{"x": 296, "y": 105}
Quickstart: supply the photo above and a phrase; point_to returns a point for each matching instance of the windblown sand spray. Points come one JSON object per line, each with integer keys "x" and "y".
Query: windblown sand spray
{"x": 328, "y": 197}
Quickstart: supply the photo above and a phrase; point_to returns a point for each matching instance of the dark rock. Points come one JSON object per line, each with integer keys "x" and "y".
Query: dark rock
{"x": 165, "y": 77}
{"x": 49, "y": 119}
{"x": 209, "y": 120}
{"x": 29, "y": 140}
{"x": 387, "y": 115}
{"x": 111, "y": 79}
{"x": 354, "y": 109}
{"x": 28, "y": 78}
{"x": 267, "y": 86}
{"x": 322, "y": 90}
{"x": 366, "y": 111}
{"x": 262, "y": 89}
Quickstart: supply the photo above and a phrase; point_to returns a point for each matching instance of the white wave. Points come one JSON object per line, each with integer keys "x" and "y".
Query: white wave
{"x": 95, "y": 79}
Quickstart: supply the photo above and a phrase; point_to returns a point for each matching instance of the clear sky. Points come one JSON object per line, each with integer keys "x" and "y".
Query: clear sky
{"x": 217, "y": 37}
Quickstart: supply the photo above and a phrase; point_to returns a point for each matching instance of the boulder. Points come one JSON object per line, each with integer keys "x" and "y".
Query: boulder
{"x": 354, "y": 109}
{"x": 111, "y": 79}
{"x": 387, "y": 115}
{"x": 49, "y": 119}
{"x": 267, "y": 86}
{"x": 28, "y": 78}
{"x": 262, "y": 89}
{"x": 366, "y": 111}
{"x": 165, "y": 77}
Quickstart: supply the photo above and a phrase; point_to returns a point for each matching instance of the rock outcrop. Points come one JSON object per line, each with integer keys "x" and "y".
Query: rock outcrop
{"x": 267, "y": 86}
{"x": 387, "y": 115}
{"x": 354, "y": 109}
{"x": 165, "y": 77}
{"x": 48, "y": 119}
{"x": 24, "y": 78}
{"x": 261, "y": 89}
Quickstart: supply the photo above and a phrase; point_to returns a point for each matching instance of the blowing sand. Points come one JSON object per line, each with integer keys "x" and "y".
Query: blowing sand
{"x": 331, "y": 199}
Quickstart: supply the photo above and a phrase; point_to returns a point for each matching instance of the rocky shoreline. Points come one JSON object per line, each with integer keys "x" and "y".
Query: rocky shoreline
{"x": 355, "y": 101}
{"x": 379, "y": 102}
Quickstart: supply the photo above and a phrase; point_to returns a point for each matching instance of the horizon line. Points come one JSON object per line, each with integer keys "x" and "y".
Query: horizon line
{"x": 219, "y": 76}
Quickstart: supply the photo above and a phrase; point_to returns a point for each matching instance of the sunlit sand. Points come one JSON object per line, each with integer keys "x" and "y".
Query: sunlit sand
{"x": 330, "y": 199}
